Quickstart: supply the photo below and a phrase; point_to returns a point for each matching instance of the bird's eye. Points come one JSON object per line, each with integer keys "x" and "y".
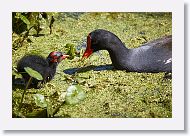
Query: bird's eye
{"x": 94, "y": 41}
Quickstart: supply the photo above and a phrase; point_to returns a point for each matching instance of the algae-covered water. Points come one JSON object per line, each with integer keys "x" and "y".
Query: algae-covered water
{"x": 110, "y": 93}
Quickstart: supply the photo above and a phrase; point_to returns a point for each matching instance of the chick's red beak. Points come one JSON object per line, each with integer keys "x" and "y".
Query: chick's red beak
{"x": 88, "y": 50}
{"x": 64, "y": 56}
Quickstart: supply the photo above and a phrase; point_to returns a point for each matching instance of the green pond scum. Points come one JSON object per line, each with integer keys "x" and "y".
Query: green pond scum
{"x": 110, "y": 93}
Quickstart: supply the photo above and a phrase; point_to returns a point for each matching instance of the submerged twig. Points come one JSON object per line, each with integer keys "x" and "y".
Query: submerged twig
{"x": 22, "y": 98}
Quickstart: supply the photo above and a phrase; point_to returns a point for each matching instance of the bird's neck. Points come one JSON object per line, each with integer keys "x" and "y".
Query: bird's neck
{"x": 118, "y": 54}
{"x": 117, "y": 49}
{"x": 53, "y": 65}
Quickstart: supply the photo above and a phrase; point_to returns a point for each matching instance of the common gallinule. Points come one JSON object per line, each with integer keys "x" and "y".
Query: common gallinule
{"x": 154, "y": 56}
{"x": 46, "y": 67}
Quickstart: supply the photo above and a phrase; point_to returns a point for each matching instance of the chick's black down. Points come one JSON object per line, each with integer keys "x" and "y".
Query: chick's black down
{"x": 39, "y": 64}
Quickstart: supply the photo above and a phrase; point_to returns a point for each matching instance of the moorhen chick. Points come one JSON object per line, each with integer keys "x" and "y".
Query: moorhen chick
{"x": 154, "y": 56}
{"x": 46, "y": 67}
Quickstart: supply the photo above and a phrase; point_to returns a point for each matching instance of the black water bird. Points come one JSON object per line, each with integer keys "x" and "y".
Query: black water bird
{"x": 154, "y": 56}
{"x": 46, "y": 67}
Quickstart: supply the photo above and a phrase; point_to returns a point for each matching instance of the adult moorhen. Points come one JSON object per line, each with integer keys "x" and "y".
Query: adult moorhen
{"x": 154, "y": 56}
{"x": 46, "y": 67}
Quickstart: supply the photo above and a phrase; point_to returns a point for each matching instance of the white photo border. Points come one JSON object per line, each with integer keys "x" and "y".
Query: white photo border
{"x": 174, "y": 123}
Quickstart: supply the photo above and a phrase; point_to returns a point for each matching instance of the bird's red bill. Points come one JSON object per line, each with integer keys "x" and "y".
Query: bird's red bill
{"x": 64, "y": 56}
{"x": 88, "y": 50}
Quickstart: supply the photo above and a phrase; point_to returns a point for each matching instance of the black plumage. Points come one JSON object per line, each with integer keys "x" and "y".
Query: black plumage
{"x": 46, "y": 67}
{"x": 154, "y": 56}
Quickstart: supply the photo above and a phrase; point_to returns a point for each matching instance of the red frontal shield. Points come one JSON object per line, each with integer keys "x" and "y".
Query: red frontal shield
{"x": 88, "y": 50}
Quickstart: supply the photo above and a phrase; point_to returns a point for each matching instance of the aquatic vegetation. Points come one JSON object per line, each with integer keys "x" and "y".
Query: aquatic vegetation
{"x": 109, "y": 93}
